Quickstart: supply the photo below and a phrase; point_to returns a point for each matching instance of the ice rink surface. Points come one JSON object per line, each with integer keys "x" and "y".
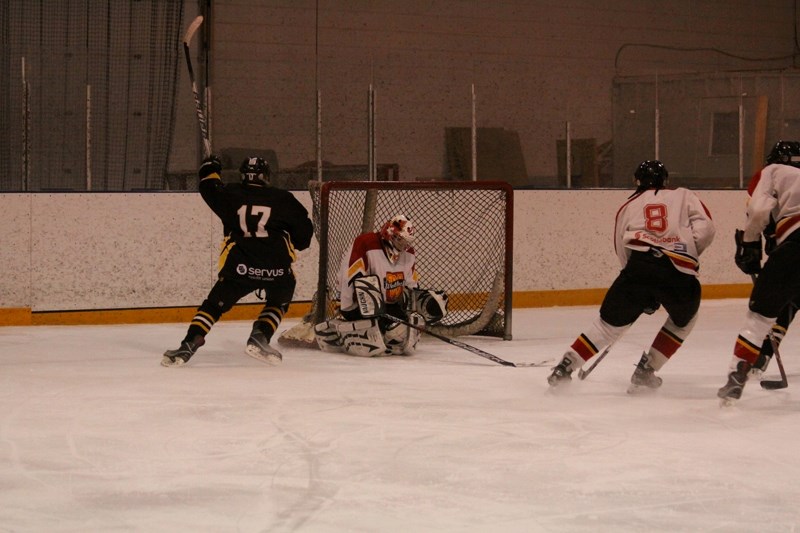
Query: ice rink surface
{"x": 96, "y": 436}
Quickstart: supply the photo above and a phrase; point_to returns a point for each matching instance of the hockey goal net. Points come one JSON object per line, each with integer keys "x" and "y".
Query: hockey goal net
{"x": 464, "y": 246}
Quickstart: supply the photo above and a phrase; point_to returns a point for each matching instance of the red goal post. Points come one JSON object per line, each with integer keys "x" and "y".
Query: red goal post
{"x": 464, "y": 246}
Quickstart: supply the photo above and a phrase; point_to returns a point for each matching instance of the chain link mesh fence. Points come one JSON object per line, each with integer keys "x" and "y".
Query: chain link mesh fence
{"x": 88, "y": 99}
{"x": 711, "y": 130}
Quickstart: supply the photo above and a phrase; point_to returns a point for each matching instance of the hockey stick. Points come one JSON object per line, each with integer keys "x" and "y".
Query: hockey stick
{"x": 782, "y": 383}
{"x": 773, "y": 384}
{"x": 201, "y": 116}
{"x": 370, "y": 302}
{"x": 462, "y": 345}
{"x": 583, "y": 373}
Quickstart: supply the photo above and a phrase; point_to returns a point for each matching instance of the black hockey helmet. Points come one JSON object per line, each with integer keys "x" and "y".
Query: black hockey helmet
{"x": 651, "y": 174}
{"x": 785, "y": 153}
{"x": 255, "y": 170}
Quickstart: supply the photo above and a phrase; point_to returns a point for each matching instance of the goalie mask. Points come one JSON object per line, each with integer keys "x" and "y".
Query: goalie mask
{"x": 398, "y": 236}
{"x": 254, "y": 171}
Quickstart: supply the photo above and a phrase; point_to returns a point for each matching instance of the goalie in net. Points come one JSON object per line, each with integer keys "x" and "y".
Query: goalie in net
{"x": 378, "y": 277}
{"x": 477, "y": 279}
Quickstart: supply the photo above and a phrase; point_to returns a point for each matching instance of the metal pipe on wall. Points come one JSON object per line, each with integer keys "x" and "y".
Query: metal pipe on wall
{"x": 657, "y": 125}
{"x": 741, "y": 140}
{"x": 319, "y": 135}
{"x": 568, "y": 134}
{"x": 88, "y": 137}
{"x": 373, "y": 172}
{"x": 474, "y": 138}
{"x": 26, "y": 111}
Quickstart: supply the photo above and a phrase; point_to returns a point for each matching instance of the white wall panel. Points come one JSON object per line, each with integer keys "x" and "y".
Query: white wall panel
{"x": 110, "y": 251}
{"x": 15, "y": 250}
{"x": 564, "y": 239}
{"x": 116, "y": 251}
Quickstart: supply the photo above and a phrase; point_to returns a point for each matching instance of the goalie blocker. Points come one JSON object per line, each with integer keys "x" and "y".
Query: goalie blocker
{"x": 370, "y": 336}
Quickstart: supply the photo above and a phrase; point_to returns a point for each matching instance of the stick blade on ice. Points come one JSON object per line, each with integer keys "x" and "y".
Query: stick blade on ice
{"x": 773, "y": 385}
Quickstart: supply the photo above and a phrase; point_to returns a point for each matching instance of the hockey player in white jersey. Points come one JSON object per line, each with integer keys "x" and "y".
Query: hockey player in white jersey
{"x": 659, "y": 236}
{"x": 378, "y": 275}
{"x": 776, "y": 196}
{"x": 787, "y": 314}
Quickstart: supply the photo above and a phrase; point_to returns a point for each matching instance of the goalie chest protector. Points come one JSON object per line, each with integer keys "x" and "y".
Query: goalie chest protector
{"x": 366, "y": 256}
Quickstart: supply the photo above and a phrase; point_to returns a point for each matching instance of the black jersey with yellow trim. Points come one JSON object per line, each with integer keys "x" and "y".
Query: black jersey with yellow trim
{"x": 252, "y": 213}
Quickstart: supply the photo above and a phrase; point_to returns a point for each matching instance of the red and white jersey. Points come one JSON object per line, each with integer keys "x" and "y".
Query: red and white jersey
{"x": 773, "y": 191}
{"x": 366, "y": 257}
{"x": 673, "y": 221}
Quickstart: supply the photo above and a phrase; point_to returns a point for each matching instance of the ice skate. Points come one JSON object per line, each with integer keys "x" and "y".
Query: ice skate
{"x": 761, "y": 365}
{"x": 258, "y": 348}
{"x": 180, "y": 356}
{"x": 644, "y": 376}
{"x": 562, "y": 372}
{"x": 732, "y": 390}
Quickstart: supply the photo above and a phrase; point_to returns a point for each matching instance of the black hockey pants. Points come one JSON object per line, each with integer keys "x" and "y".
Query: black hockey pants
{"x": 647, "y": 281}
{"x": 778, "y": 284}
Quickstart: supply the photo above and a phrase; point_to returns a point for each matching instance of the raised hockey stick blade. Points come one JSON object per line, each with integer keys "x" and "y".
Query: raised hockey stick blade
{"x": 201, "y": 116}
{"x": 448, "y": 340}
{"x": 782, "y": 383}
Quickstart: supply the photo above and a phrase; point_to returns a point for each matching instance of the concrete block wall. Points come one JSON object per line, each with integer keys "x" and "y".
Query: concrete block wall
{"x": 535, "y": 65}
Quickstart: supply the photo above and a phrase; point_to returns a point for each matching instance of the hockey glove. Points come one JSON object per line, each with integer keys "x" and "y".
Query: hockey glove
{"x": 431, "y": 304}
{"x": 211, "y": 165}
{"x": 748, "y": 254}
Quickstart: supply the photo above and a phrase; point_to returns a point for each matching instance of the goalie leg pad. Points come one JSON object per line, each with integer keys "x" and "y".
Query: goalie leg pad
{"x": 362, "y": 338}
{"x": 401, "y": 339}
{"x": 327, "y": 336}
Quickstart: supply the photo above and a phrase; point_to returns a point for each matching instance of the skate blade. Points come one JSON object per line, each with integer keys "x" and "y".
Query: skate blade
{"x": 727, "y": 402}
{"x": 265, "y": 357}
{"x": 560, "y": 387}
{"x": 166, "y": 361}
{"x": 641, "y": 389}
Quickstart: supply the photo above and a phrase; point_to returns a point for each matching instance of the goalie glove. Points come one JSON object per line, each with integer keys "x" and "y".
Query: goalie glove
{"x": 369, "y": 296}
{"x": 429, "y": 303}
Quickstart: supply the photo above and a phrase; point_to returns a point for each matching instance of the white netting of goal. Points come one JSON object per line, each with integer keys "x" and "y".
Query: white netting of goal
{"x": 463, "y": 246}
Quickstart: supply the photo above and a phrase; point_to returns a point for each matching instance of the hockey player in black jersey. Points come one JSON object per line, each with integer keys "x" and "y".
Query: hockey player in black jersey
{"x": 263, "y": 227}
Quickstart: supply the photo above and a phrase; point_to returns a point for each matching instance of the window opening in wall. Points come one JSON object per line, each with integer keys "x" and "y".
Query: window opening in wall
{"x": 724, "y": 134}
